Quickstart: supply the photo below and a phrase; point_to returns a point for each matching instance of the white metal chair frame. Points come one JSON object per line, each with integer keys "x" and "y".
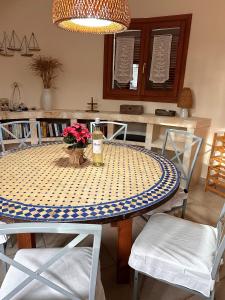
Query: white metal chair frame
{"x": 83, "y": 230}
{"x": 215, "y": 270}
{"x": 121, "y": 130}
{"x": 4, "y": 241}
{"x": 4, "y": 265}
{"x": 21, "y": 141}
{"x": 185, "y": 174}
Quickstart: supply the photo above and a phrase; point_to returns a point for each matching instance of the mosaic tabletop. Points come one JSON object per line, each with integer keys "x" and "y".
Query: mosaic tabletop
{"x": 39, "y": 184}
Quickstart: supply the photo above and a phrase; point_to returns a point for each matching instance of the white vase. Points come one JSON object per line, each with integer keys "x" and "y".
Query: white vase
{"x": 46, "y": 99}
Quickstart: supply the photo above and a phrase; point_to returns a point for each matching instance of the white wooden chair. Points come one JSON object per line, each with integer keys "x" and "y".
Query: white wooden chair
{"x": 122, "y": 130}
{"x": 19, "y": 133}
{"x": 179, "y": 252}
{"x": 59, "y": 273}
{"x": 191, "y": 146}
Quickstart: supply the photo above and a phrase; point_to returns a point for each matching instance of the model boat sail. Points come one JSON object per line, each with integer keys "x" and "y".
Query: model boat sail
{"x": 4, "y": 46}
{"x": 33, "y": 43}
{"x": 14, "y": 43}
{"x": 25, "y": 48}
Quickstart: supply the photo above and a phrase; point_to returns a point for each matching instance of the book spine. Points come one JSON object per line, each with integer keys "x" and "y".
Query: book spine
{"x": 56, "y": 129}
{"x": 44, "y": 129}
{"x": 50, "y": 130}
{"x": 60, "y": 129}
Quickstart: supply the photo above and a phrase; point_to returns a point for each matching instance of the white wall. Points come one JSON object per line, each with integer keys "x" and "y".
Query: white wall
{"x": 82, "y": 55}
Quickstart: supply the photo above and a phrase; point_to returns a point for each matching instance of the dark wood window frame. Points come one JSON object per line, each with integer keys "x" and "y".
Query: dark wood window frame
{"x": 147, "y": 26}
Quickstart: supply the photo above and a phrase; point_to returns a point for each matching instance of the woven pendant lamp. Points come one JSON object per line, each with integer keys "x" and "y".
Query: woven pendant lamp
{"x": 92, "y": 16}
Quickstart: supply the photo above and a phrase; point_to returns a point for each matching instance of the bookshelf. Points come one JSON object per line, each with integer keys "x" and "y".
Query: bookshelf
{"x": 153, "y": 126}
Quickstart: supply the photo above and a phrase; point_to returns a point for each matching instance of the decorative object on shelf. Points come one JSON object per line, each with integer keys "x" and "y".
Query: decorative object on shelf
{"x": 185, "y": 102}
{"x": 22, "y": 107}
{"x": 215, "y": 181}
{"x": 47, "y": 68}
{"x": 9, "y": 46}
{"x": 4, "y": 104}
{"x": 164, "y": 112}
{"x": 96, "y": 16}
{"x": 132, "y": 109}
{"x": 15, "y": 97}
{"x": 76, "y": 136}
{"x": 93, "y": 105}
{"x": 14, "y": 104}
{"x": 19, "y": 107}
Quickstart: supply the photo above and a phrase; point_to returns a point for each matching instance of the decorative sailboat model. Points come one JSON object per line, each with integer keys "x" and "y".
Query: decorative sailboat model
{"x": 33, "y": 43}
{"x": 15, "y": 43}
{"x": 4, "y": 47}
{"x": 25, "y": 48}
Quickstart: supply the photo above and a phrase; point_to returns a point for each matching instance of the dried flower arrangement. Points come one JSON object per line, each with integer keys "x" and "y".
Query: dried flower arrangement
{"x": 47, "y": 68}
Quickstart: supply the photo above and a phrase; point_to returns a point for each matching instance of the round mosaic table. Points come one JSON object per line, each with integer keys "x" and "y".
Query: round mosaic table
{"x": 39, "y": 184}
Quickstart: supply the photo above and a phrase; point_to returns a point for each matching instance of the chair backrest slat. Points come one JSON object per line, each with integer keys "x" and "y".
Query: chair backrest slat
{"x": 122, "y": 129}
{"x": 83, "y": 230}
{"x": 184, "y": 144}
{"x": 20, "y": 131}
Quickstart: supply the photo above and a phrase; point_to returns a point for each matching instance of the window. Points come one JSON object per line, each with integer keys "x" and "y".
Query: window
{"x": 147, "y": 62}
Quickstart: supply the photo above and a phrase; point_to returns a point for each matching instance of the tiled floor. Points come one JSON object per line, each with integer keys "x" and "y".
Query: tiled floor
{"x": 202, "y": 207}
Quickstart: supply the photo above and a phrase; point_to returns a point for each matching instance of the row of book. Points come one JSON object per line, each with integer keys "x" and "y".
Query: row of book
{"x": 52, "y": 129}
{"x": 48, "y": 129}
{"x": 18, "y": 130}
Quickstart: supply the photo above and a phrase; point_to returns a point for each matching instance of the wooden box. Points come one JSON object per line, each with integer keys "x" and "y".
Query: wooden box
{"x": 132, "y": 109}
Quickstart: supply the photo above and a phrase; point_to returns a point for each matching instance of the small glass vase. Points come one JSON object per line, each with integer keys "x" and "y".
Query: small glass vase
{"x": 76, "y": 156}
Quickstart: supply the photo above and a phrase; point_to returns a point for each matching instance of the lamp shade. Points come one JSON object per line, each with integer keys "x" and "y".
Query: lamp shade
{"x": 185, "y": 100}
{"x": 92, "y": 16}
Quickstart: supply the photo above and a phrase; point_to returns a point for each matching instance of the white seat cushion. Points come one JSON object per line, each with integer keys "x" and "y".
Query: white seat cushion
{"x": 71, "y": 272}
{"x": 176, "y": 201}
{"x": 177, "y": 251}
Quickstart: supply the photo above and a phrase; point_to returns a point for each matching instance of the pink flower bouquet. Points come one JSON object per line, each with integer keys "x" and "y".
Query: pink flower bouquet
{"x": 76, "y": 135}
